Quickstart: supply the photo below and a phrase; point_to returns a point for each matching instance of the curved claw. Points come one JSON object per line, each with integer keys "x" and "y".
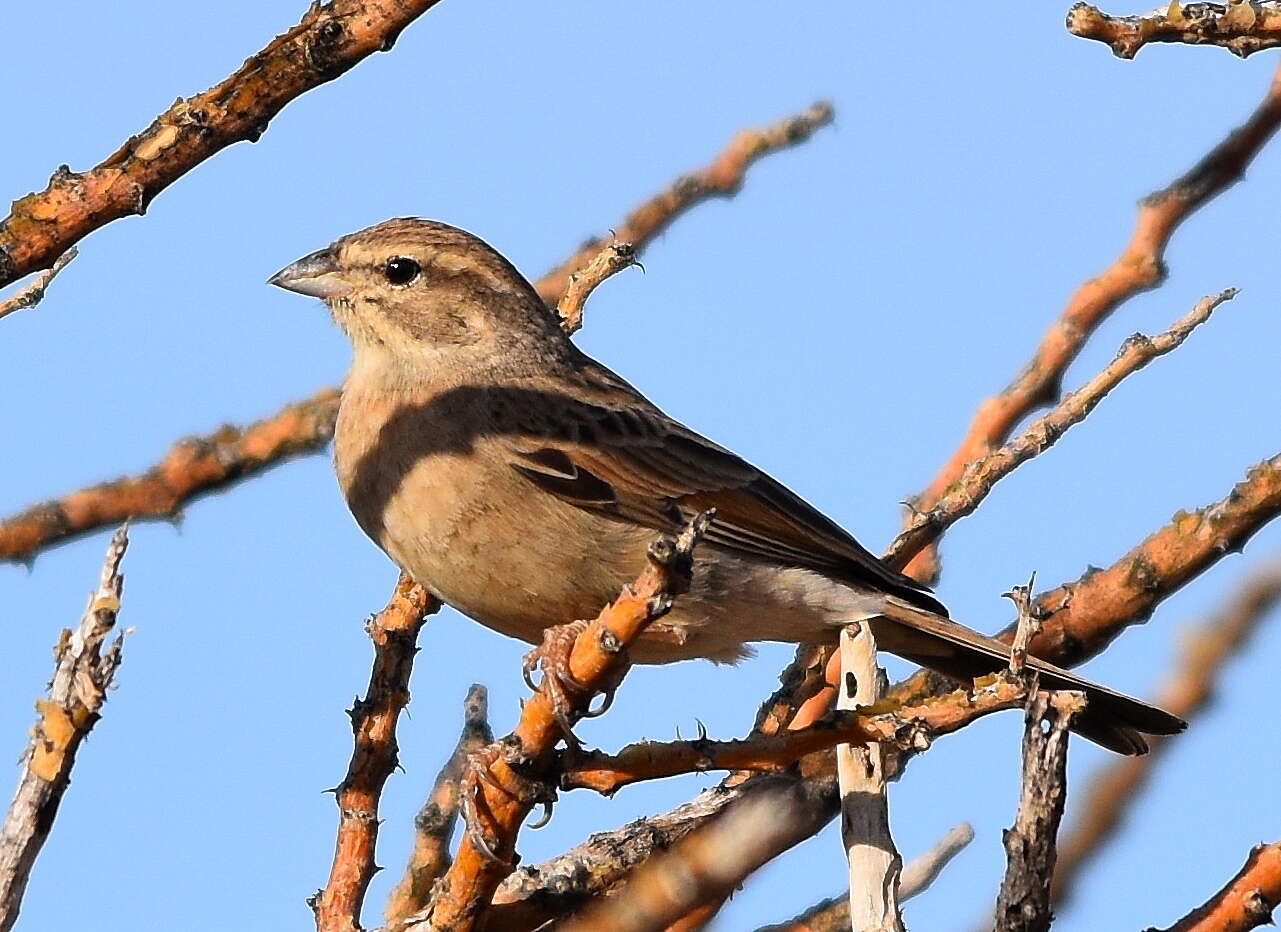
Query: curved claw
{"x": 544, "y": 819}
{"x": 527, "y": 673}
{"x": 606, "y": 702}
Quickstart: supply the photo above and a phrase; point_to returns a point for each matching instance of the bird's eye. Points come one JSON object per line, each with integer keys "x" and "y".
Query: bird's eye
{"x": 401, "y": 270}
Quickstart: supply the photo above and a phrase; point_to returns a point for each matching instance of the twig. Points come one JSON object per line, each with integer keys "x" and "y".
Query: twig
{"x": 705, "y": 866}
{"x": 1140, "y": 267}
{"x": 506, "y": 792}
{"x": 833, "y": 915}
{"x": 193, "y": 467}
{"x": 435, "y": 821}
{"x": 83, "y": 672}
{"x": 965, "y": 494}
{"x": 1025, "y": 627}
{"x": 1024, "y": 902}
{"x": 722, "y": 178}
{"x": 874, "y": 861}
{"x": 1245, "y": 903}
{"x": 1189, "y": 689}
{"x": 329, "y": 40}
{"x": 612, "y": 258}
{"x": 394, "y": 632}
{"x": 907, "y": 727}
{"x": 196, "y": 466}
{"x": 1243, "y": 27}
{"x": 33, "y": 294}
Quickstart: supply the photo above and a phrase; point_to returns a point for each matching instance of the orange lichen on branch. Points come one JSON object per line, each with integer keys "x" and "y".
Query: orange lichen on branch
{"x": 435, "y": 822}
{"x": 1140, "y": 267}
{"x": 1246, "y": 902}
{"x": 330, "y": 39}
{"x": 722, "y": 178}
{"x": 1243, "y": 27}
{"x": 192, "y": 466}
{"x": 394, "y": 632}
{"x": 506, "y": 791}
{"x": 1188, "y": 690}
{"x": 84, "y": 670}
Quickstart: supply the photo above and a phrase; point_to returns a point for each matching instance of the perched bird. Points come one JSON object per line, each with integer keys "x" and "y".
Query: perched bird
{"x": 521, "y": 481}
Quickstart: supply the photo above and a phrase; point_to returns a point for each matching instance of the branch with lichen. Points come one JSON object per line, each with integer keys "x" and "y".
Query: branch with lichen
{"x": 330, "y": 39}
{"x": 33, "y": 294}
{"x": 1243, "y": 27}
{"x": 232, "y": 454}
{"x": 512, "y": 776}
{"x": 394, "y": 632}
{"x": 1246, "y": 902}
{"x": 1191, "y": 687}
{"x": 434, "y": 824}
{"x": 1139, "y": 268}
{"x": 84, "y": 670}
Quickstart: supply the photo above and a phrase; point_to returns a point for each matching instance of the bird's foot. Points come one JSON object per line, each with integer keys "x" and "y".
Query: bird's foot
{"x": 566, "y": 694}
{"x": 477, "y": 815}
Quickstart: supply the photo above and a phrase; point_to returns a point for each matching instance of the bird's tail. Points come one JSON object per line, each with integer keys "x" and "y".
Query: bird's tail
{"x": 1112, "y": 719}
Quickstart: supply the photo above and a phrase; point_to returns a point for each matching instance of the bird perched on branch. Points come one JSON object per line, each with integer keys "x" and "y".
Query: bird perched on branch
{"x": 521, "y": 481}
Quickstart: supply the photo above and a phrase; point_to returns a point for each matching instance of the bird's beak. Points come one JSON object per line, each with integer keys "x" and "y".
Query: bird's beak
{"x": 316, "y": 275}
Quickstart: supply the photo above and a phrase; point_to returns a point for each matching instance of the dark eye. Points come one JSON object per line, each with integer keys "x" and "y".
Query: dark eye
{"x": 401, "y": 270}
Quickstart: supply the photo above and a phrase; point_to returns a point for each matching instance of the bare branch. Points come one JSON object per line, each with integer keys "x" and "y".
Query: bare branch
{"x": 611, "y": 259}
{"x": 1245, "y": 903}
{"x": 1140, "y": 267}
{"x": 965, "y": 494}
{"x": 512, "y": 774}
{"x": 1024, "y": 903}
{"x": 834, "y": 915}
{"x": 33, "y": 294}
{"x": 722, "y": 178}
{"x": 1189, "y": 689}
{"x": 83, "y": 673}
{"x": 435, "y": 821}
{"x": 329, "y": 40}
{"x": 197, "y": 466}
{"x": 394, "y": 632}
{"x": 1243, "y": 27}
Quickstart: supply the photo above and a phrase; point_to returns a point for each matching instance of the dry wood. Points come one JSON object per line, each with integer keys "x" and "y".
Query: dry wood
{"x": 1243, "y": 27}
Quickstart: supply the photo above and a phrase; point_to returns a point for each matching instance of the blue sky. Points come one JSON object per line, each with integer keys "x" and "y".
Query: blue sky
{"x": 837, "y": 323}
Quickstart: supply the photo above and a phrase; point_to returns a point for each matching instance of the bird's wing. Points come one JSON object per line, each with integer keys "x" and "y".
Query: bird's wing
{"x": 615, "y": 453}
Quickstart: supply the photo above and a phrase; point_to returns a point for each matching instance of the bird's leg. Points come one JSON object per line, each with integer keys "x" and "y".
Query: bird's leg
{"x": 527, "y": 790}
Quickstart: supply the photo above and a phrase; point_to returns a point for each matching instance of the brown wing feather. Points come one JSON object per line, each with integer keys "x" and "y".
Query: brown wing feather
{"x": 629, "y": 460}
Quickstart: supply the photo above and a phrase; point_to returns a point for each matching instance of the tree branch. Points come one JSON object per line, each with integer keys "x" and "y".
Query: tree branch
{"x": 83, "y": 672}
{"x": 1140, "y": 267}
{"x": 1243, "y": 27}
{"x": 1190, "y": 689}
{"x": 610, "y": 260}
{"x": 1245, "y": 903}
{"x": 513, "y": 775}
{"x": 33, "y": 294}
{"x": 232, "y": 454}
{"x": 394, "y": 632}
{"x": 330, "y": 39}
{"x": 1024, "y": 902}
{"x": 435, "y": 821}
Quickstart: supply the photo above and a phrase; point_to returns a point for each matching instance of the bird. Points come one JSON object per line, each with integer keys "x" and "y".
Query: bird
{"x": 521, "y": 481}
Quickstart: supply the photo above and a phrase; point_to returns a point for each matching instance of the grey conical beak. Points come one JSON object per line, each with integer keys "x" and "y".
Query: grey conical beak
{"x": 316, "y": 275}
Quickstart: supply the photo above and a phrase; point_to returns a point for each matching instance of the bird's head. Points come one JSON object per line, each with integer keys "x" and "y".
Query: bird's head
{"x": 418, "y": 288}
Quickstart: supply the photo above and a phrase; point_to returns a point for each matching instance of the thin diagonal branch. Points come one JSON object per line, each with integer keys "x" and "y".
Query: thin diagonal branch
{"x": 330, "y": 39}
{"x": 394, "y": 632}
{"x": 33, "y": 294}
{"x": 1139, "y": 268}
{"x": 435, "y": 822}
{"x": 612, "y": 259}
{"x": 1243, "y": 27}
{"x": 232, "y": 454}
{"x": 1189, "y": 690}
{"x": 83, "y": 673}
